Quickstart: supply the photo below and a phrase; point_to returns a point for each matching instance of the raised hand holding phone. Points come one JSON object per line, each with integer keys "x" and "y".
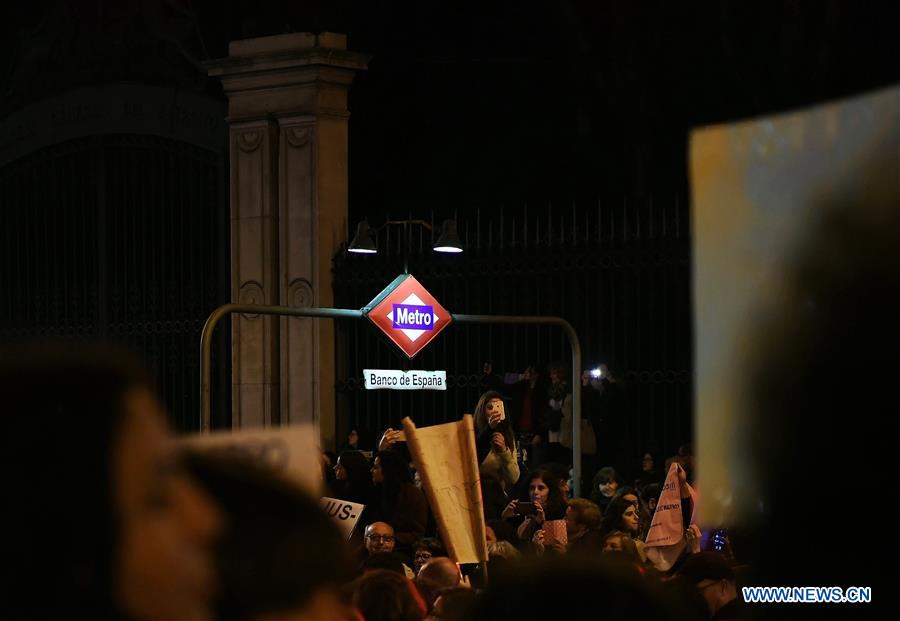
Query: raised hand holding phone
{"x": 525, "y": 508}
{"x": 692, "y": 534}
{"x": 495, "y": 411}
{"x": 538, "y": 516}
{"x": 511, "y": 510}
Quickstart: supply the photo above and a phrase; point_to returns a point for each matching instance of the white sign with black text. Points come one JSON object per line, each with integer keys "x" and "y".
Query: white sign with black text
{"x": 344, "y": 512}
{"x": 393, "y": 379}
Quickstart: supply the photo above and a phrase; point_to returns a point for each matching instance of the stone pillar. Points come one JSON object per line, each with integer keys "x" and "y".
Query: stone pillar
{"x": 287, "y": 110}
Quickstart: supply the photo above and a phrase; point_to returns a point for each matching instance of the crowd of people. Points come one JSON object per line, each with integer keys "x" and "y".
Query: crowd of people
{"x": 110, "y": 518}
{"x": 125, "y": 523}
{"x": 525, "y": 468}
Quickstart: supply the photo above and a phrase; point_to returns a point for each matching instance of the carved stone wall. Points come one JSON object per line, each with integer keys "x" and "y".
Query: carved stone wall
{"x": 287, "y": 105}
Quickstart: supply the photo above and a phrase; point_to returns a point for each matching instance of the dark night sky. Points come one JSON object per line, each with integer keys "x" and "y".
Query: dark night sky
{"x": 482, "y": 103}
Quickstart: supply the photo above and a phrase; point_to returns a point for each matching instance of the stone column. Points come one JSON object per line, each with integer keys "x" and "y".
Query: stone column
{"x": 287, "y": 110}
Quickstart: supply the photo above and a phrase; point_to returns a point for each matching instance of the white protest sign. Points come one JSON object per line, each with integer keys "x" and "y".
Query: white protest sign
{"x": 446, "y": 460}
{"x": 344, "y": 512}
{"x": 293, "y": 451}
{"x": 667, "y": 526}
{"x": 394, "y": 379}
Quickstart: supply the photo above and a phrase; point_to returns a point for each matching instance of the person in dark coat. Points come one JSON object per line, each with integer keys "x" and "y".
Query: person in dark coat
{"x": 398, "y": 501}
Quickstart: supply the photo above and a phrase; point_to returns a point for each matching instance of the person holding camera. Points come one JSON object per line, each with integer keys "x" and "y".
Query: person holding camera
{"x": 544, "y": 501}
{"x": 495, "y": 441}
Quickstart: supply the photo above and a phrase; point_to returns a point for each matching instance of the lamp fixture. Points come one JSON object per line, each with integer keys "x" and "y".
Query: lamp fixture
{"x": 362, "y": 242}
{"x": 448, "y": 241}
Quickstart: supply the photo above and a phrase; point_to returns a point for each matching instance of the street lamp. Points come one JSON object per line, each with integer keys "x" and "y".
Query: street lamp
{"x": 447, "y": 239}
{"x": 362, "y": 242}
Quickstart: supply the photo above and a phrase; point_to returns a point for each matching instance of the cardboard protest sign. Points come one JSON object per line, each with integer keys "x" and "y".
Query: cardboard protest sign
{"x": 445, "y": 458}
{"x": 293, "y": 452}
{"x": 344, "y": 512}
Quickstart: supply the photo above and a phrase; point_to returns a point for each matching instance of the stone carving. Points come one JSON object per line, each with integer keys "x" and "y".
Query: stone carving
{"x": 251, "y": 293}
{"x": 249, "y": 141}
{"x": 300, "y": 294}
{"x": 298, "y": 135}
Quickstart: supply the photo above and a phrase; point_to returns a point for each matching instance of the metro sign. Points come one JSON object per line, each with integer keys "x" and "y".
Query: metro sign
{"x": 408, "y": 314}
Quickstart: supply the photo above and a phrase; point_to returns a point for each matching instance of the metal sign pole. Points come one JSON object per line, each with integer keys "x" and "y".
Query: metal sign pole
{"x": 249, "y": 309}
{"x": 344, "y": 313}
{"x": 575, "y": 345}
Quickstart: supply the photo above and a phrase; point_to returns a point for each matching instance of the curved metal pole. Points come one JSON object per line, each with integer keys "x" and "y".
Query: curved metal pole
{"x": 249, "y": 309}
{"x": 575, "y": 344}
{"x": 344, "y": 313}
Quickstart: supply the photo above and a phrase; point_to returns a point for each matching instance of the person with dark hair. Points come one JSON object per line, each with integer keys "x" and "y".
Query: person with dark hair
{"x": 353, "y": 475}
{"x": 649, "y": 472}
{"x": 328, "y": 478}
{"x": 547, "y": 503}
{"x": 494, "y": 498}
{"x": 557, "y": 391}
{"x": 427, "y": 549}
{"x": 713, "y": 577}
{"x": 650, "y": 496}
{"x": 495, "y": 441}
{"x": 689, "y": 602}
{"x": 565, "y": 587}
{"x": 617, "y": 541}
{"x": 398, "y": 501}
{"x": 629, "y": 494}
{"x": 281, "y": 554}
{"x": 455, "y": 604}
{"x": 583, "y": 519}
{"x": 354, "y": 441}
{"x": 529, "y": 418}
{"x": 622, "y": 515}
{"x": 382, "y": 595}
{"x": 604, "y": 486}
{"x": 614, "y": 441}
{"x": 489, "y": 380}
{"x": 384, "y": 560}
{"x": 102, "y": 523}
{"x": 561, "y": 472}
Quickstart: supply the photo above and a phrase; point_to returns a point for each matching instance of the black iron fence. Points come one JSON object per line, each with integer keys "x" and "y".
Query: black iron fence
{"x": 121, "y": 238}
{"x": 619, "y": 272}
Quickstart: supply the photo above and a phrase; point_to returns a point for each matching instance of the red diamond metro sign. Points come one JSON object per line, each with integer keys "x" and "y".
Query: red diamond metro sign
{"x": 408, "y": 314}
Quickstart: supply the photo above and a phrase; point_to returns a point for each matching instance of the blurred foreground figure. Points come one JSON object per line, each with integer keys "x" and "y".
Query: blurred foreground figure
{"x": 826, "y": 403}
{"x": 100, "y": 521}
{"x": 280, "y": 556}
{"x": 572, "y": 587}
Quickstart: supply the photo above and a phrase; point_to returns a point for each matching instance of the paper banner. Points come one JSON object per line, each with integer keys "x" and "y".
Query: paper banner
{"x": 667, "y": 527}
{"x": 444, "y": 456}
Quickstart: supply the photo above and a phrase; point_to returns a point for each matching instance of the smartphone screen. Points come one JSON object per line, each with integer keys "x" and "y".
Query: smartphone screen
{"x": 495, "y": 406}
{"x": 525, "y": 508}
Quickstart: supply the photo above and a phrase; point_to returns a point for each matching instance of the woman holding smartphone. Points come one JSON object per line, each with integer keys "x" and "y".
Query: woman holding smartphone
{"x": 543, "y": 502}
{"x": 495, "y": 441}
